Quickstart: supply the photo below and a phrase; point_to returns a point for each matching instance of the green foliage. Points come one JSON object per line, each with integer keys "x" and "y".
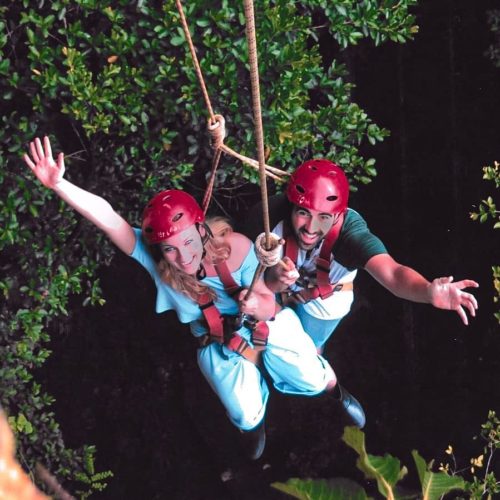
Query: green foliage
{"x": 88, "y": 477}
{"x": 113, "y": 83}
{"x": 435, "y": 484}
{"x": 385, "y": 470}
{"x": 349, "y": 21}
{"x": 487, "y": 208}
{"x": 482, "y": 483}
{"x": 321, "y": 489}
{"x": 493, "y": 51}
{"x": 388, "y": 473}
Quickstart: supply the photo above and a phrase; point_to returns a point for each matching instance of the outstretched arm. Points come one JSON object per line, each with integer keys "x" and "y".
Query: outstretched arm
{"x": 408, "y": 284}
{"x": 94, "y": 208}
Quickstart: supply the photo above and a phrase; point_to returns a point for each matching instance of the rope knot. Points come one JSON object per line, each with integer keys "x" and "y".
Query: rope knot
{"x": 268, "y": 257}
{"x": 217, "y": 130}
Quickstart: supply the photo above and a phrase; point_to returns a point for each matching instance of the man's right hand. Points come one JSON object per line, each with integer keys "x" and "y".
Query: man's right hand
{"x": 287, "y": 272}
{"x": 281, "y": 276}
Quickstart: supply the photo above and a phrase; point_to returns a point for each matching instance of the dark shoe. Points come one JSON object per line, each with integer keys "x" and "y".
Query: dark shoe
{"x": 254, "y": 441}
{"x": 350, "y": 405}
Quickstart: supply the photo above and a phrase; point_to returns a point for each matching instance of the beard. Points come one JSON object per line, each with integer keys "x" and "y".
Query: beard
{"x": 307, "y": 241}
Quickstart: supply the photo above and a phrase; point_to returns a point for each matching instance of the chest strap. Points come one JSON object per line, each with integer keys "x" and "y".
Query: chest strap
{"x": 323, "y": 288}
{"x": 221, "y": 330}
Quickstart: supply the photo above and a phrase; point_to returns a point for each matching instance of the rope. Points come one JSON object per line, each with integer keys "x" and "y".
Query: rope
{"x": 216, "y": 128}
{"x": 259, "y": 135}
{"x": 197, "y": 66}
{"x": 215, "y": 120}
{"x": 257, "y": 113}
{"x": 268, "y": 257}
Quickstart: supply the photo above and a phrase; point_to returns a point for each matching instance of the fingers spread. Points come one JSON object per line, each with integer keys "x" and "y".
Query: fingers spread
{"x": 471, "y": 308}
{"x": 468, "y": 284}
{"x": 39, "y": 148}
{"x": 46, "y": 144}
{"x": 462, "y": 315}
{"x": 34, "y": 153}
{"x": 28, "y": 162}
{"x": 60, "y": 160}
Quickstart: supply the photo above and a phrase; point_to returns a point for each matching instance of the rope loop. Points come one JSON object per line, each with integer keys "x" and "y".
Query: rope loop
{"x": 217, "y": 130}
{"x": 268, "y": 257}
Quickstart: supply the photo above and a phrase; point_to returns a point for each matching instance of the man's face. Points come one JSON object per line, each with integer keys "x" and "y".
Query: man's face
{"x": 310, "y": 226}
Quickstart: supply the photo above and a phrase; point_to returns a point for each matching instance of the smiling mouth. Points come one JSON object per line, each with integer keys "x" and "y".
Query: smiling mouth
{"x": 309, "y": 236}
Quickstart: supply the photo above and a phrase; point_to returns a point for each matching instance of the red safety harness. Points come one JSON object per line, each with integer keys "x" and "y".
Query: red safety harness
{"x": 221, "y": 329}
{"x": 323, "y": 287}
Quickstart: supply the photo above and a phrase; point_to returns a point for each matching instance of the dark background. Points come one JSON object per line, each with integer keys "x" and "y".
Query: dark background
{"x": 126, "y": 379}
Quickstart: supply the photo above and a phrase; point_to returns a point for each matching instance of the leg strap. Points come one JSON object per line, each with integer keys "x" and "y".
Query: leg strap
{"x": 239, "y": 345}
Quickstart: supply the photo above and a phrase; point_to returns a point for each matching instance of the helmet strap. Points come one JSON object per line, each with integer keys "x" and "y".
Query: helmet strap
{"x": 208, "y": 232}
{"x": 201, "y": 273}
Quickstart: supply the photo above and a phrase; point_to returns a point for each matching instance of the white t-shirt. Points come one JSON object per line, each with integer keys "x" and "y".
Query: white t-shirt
{"x": 337, "y": 305}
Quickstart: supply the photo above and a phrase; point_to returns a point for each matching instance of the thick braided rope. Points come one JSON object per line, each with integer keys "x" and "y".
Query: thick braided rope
{"x": 217, "y": 130}
{"x": 268, "y": 257}
{"x": 259, "y": 130}
{"x": 257, "y": 113}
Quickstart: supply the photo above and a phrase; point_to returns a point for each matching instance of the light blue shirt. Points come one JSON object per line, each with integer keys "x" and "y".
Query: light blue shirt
{"x": 188, "y": 310}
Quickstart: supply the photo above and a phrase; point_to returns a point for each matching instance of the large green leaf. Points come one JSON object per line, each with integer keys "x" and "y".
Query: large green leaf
{"x": 322, "y": 489}
{"x": 385, "y": 470}
{"x": 435, "y": 484}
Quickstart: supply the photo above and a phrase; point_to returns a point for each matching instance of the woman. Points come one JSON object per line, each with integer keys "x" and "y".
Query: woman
{"x": 199, "y": 277}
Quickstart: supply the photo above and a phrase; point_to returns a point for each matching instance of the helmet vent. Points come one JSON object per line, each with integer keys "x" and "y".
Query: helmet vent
{"x": 332, "y": 197}
{"x": 300, "y": 189}
{"x": 149, "y": 229}
{"x": 177, "y": 217}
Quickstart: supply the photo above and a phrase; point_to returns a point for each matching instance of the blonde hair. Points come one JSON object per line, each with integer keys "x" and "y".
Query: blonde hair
{"x": 217, "y": 249}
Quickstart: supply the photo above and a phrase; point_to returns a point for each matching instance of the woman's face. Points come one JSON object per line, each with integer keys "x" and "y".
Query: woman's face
{"x": 184, "y": 250}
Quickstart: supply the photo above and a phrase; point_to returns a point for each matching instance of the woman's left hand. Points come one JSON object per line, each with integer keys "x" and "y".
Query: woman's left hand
{"x": 249, "y": 306}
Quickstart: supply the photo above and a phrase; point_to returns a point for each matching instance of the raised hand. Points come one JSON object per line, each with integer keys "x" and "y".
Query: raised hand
{"x": 42, "y": 164}
{"x": 444, "y": 294}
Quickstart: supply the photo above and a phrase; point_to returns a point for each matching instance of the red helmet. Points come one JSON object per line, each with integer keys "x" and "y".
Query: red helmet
{"x": 168, "y": 213}
{"x": 319, "y": 185}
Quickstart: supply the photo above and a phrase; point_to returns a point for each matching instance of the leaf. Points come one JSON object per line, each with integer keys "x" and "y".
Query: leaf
{"x": 435, "y": 484}
{"x": 322, "y": 489}
{"x": 385, "y": 470}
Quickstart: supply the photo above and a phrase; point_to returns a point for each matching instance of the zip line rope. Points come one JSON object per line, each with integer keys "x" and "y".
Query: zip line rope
{"x": 216, "y": 128}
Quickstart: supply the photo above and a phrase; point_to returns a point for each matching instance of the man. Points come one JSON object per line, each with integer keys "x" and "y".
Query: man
{"x": 326, "y": 243}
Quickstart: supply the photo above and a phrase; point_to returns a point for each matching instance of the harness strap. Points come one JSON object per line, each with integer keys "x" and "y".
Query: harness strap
{"x": 230, "y": 286}
{"x": 215, "y": 321}
{"x": 307, "y": 294}
{"x": 213, "y": 318}
{"x": 323, "y": 288}
{"x": 239, "y": 345}
{"x": 260, "y": 330}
